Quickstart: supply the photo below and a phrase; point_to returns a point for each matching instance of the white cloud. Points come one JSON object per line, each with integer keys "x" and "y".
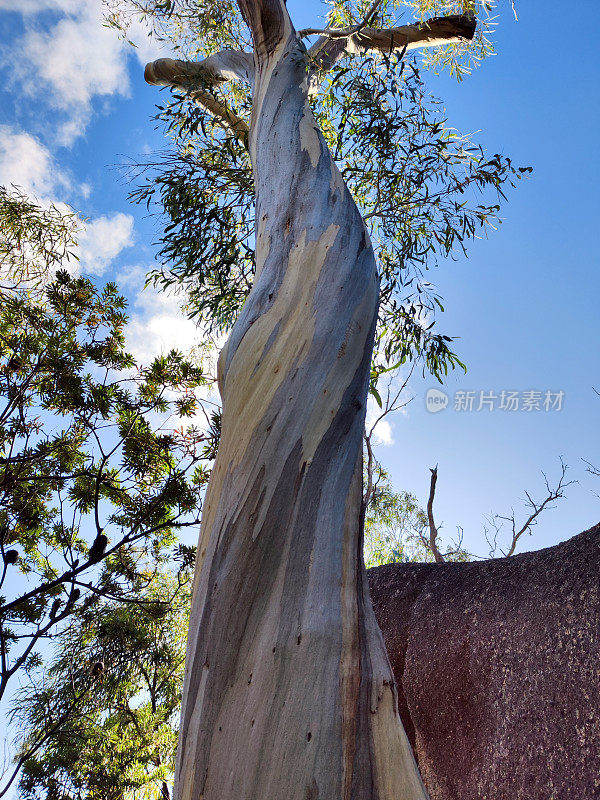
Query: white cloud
{"x": 383, "y": 434}
{"x": 27, "y": 7}
{"x": 103, "y": 239}
{"x": 76, "y": 59}
{"x": 25, "y": 162}
{"x": 159, "y": 325}
{"x": 383, "y": 431}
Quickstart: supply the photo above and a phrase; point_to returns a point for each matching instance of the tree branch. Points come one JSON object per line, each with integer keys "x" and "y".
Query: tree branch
{"x": 333, "y": 44}
{"x": 430, "y": 33}
{"x": 496, "y": 522}
{"x": 228, "y": 65}
{"x": 536, "y": 508}
{"x": 194, "y": 75}
{"x": 222, "y": 112}
{"x": 391, "y": 405}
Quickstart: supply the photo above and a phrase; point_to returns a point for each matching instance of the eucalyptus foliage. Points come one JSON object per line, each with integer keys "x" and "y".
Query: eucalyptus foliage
{"x": 34, "y": 240}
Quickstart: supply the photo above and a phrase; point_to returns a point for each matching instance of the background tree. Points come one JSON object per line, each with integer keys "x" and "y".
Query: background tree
{"x": 103, "y": 717}
{"x": 95, "y": 481}
{"x": 396, "y": 528}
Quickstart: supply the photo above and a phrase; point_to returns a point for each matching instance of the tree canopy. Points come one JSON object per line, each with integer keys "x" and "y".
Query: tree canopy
{"x": 424, "y": 189}
{"x": 107, "y": 705}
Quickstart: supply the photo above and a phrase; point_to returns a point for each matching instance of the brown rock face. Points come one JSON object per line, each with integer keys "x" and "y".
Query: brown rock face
{"x": 498, "y": 671}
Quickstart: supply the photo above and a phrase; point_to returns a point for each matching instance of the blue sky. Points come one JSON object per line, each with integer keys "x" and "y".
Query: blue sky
{"x": 74, "y": 106}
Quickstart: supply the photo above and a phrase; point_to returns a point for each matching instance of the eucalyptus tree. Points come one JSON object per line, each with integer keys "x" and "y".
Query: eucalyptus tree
{"x": 288, "y": 691}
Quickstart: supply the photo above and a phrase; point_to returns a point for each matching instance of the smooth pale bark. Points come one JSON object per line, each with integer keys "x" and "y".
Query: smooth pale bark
{"x": 288, "y": 691}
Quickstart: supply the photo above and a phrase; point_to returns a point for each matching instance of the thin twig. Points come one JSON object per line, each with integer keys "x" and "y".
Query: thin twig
{"x": 343, "y": 33}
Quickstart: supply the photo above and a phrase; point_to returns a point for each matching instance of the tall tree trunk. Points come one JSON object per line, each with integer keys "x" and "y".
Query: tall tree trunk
{"x": 288, "y": 691}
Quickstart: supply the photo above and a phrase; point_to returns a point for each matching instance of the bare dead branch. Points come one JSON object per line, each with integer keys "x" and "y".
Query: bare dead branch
{"x": 536, "y": 508}
{"x": 391, "y": 403}
{"x": 433, "y": 531}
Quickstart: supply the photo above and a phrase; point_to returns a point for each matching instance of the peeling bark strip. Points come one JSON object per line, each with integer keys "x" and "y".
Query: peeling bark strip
{"x": 288, "y": 691}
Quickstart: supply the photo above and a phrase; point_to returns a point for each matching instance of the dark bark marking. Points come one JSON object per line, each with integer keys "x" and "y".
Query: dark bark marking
{"x": 312, "y": 791}
{"x": 363, "y": 243}
{"x": 268, "y": 344}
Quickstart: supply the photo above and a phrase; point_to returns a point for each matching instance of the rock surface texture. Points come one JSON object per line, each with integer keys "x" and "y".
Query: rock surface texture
{"x": 498, "y": 671}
